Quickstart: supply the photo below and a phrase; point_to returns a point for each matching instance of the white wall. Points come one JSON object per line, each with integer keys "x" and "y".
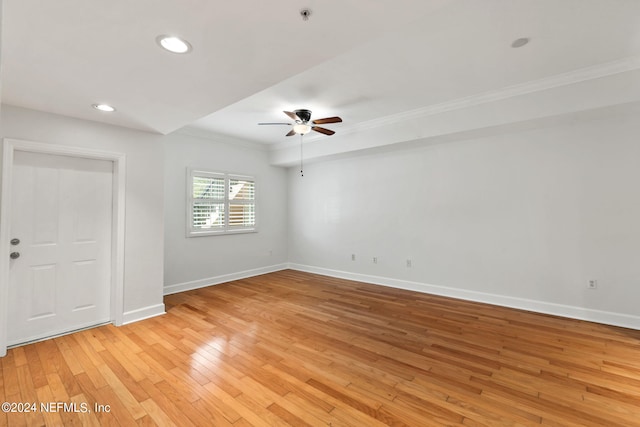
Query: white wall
{"x": 144, "y": 193}
{"x": 522, "y": 219}
{"x": 192, "y": 262}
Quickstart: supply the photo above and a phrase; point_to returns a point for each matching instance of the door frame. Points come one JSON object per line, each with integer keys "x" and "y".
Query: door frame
{"x": 10, "y": 146}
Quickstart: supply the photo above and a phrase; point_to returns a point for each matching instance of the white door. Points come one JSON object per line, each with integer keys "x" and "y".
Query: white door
{"x": 62, "y": 214}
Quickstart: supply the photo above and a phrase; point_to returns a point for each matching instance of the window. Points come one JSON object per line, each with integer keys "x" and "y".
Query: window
{"x": 220, "y": 203}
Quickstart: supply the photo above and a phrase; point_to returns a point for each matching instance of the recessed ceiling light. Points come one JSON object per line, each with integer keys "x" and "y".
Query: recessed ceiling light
{"x": 104, "y": 107}
{"x": 520, "y": 42}
{"x": 173, "y": 44}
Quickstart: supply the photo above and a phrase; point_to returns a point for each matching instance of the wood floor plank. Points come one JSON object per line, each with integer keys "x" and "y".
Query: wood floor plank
{"x": 119, "y": 373}
{"x": 211, "y": 413}
{"x": 13, "y": 418}
{"x": 29, "y": 395}
{"x": 287, "y": 416}
{"x": 256, "y": 414}
{"x": 123, "y": 393}
{"x": 10, "y": 375}
{"x": 19, "y": 357}
{"x": 198, "y": 418}
{"x": 351, "y": 417}
{"x": 123, "y": 367}
{"x": 44, "y": 394}
{"x": 296, "y": 403}
{"x": 297, "y": 349}
{"x": 164, "y": 403}
{"x": 118, "y": 414}
{"x": 69, "y": 356}
{"x": 304, "y": 391}
{"x": 136, "y": 367}
{"x": 57, "y": 388}
{"x": 157, "y": 414}
{"x": 84, "y": 418}
{"x": 222, "y": 402}
{"x": 37, "y": 372}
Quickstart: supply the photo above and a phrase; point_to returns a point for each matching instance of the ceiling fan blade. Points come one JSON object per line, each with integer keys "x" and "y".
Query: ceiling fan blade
{"x": 262, "y": 124}
{"x": 326, "y": 120}
{"x": 292, "y": 116}
{"x": 291, "y": 133}
{"x": 323, "y": 130}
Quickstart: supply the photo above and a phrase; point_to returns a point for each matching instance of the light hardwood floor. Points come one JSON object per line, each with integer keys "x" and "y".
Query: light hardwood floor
{"x": 291, "y": 348}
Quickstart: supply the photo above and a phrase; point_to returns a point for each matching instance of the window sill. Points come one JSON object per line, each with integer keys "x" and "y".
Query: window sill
{"x": 220, "y": 233}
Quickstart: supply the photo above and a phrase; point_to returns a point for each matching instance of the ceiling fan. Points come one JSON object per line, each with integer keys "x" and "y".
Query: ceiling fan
{"x": 303, "y": 123}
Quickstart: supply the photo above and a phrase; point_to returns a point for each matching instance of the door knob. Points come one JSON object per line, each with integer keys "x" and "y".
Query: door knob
{"x": 15, "y": 242}
{"x": 14, "y": 255}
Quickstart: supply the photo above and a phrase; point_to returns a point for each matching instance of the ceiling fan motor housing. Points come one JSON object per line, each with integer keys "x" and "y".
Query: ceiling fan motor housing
{"x": 304, "y": 115}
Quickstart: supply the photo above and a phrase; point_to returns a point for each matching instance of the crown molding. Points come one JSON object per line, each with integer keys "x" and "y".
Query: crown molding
{"x": 571, "y": 77}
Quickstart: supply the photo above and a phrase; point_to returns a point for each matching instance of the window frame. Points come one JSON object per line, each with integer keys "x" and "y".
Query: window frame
{"x": 225, "y": 229}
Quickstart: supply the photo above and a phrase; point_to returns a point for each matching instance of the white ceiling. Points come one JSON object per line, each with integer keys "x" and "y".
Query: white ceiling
{"x": 375, "y": 63}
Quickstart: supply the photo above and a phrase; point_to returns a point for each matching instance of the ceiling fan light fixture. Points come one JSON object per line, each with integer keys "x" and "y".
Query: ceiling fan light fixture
{"x": 302, "y": 129}
{"x": 173, "y": 44}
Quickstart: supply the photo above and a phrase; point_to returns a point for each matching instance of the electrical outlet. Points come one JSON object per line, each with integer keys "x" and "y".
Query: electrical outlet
{"x": 375, "y": 259}
{"x": 592, "y": 284}
{"x": 353, "y": 257}
{"x": 408, "y": 263}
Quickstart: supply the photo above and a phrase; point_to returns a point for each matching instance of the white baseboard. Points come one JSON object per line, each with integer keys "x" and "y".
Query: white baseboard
{"x": 142, "y": 313}
{"x": 210, "y": 281}
{"x": 573, "y": 312}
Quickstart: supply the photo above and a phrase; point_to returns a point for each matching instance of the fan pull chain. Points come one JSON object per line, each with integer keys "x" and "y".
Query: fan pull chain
{"x": 301, "y": 172}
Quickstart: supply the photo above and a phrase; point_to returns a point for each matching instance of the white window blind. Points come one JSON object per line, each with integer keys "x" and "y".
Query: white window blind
{"x": 220, "y": 203}
{"x": 242, "y": 205}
